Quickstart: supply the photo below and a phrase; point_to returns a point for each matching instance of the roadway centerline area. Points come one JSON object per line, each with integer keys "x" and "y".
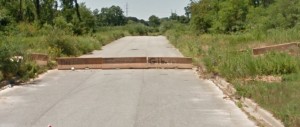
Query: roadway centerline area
{"x": 121, "y": 98}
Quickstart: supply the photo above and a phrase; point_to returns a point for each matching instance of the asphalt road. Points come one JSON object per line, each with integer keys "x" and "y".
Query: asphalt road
{"x": 121, "y": 98}
{"x": 143, "y": 46}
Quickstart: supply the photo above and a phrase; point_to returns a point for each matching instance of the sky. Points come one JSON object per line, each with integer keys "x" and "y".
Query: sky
{"x": 142, "y": 9}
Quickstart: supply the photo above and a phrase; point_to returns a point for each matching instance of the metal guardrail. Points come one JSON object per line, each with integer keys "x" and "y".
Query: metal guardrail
{"x": 125, "y": 63}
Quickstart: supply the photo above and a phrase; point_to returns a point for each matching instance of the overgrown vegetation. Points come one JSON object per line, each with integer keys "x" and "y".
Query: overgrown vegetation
{"x": 58, "y": 28}
{"x": 221, "y": 55}
{"x": 282, "y": 99}
{"x": 217, "y": 34}
{"x": 221, "y": 35}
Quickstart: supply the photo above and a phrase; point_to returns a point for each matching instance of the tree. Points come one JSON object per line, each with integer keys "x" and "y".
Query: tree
{"x": 5, "y": 19}
{"x": 67, "y": 9}
{"x": 134, "y": 19}
{"x": 112, "y": 16}
{"x": 187, "y": 10}
{"x": 48, "y": 11}
{"x": 38, "y": 8}
{"x": 77, "y": 10}
{"x": 202, "y": 13}
{"x": 154, "y": 21}
{"x": 21, "y": 10}
{"x": 219, "y": 16}
{"x": 88, "y": 21}
{"x": 29, "y": 11}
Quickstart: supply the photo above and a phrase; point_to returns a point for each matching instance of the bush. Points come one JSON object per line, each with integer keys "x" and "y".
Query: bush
{"x": 5, "y": 19}
{"x": 65, "y": 43}
{"x": 52, "y": 64}
{"x": 87, "y": 44}
{"x": 138, "y": 29}
{"x": 27, "y": 30}
{"x": 167, "y": 25}
{"x": 28, "y": 70}
{"x": 8, "y": 65}
{"x": 61, "y": 23}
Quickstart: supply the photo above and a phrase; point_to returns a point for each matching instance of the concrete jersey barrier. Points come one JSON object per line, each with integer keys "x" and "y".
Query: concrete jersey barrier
{"x": 125, "y": 63}
{"x": 79, "y": 63}
{"x": 280, "y": 47}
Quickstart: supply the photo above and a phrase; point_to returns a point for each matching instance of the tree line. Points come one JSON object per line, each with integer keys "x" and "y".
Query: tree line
{"x": 229, "y": 16}
{"x": 70, "y": 13}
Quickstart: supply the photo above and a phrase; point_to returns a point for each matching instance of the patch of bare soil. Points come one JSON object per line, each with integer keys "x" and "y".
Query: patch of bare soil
{"x": 268, "y": 79}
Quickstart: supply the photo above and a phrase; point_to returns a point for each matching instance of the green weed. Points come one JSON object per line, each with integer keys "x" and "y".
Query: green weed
{"x": 229, "y": 55}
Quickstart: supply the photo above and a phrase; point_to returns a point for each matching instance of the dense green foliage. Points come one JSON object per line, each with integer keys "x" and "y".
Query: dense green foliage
{"x": 112, "y": 16}
{"x": 57, "y": 28}
{"x": 154, "y": 21}
{"x": 226, "y": 16}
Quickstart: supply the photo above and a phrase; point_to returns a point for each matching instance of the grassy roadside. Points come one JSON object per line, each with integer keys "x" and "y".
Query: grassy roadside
{"x": 220, "y": 55}
{"x": 54, "y": 41}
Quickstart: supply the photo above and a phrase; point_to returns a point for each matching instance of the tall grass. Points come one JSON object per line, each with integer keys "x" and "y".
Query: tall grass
{"x": 228, "y": 55}
{"x": 282, "y": 99}
{"x": 27, "y": 38}
{"x": 56, "y": 42}
{"x": 243, "y": 65}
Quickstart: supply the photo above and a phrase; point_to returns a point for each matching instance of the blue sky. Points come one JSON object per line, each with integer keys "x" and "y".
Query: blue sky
{"x": 142, "y": 9}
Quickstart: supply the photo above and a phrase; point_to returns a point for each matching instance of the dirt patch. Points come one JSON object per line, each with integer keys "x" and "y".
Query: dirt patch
{"x": 268, "y": 79}
{"x": 205, "y": 48}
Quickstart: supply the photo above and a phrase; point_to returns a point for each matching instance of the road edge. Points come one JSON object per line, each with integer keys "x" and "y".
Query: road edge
{"x": 254, "y": 112}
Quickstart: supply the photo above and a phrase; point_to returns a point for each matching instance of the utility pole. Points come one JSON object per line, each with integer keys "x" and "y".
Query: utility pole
{"x": 126, "y": 9}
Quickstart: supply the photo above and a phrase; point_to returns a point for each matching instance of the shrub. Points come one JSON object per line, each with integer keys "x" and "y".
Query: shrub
{"x": 87, "y": 44}
{"x": 27, "y": 30}
{"x": 66, "y": 44}
{"x": 28, "y": 70}
{"x": 46, "y": 29}
{"x": 9, "y": 66}
{"x": 5, "y": 19}
{"x": 138, "y": 29}
{"x": 167, "y": 25}
{"x": 52, "y": 64}
{"x": 61, "y": 23}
